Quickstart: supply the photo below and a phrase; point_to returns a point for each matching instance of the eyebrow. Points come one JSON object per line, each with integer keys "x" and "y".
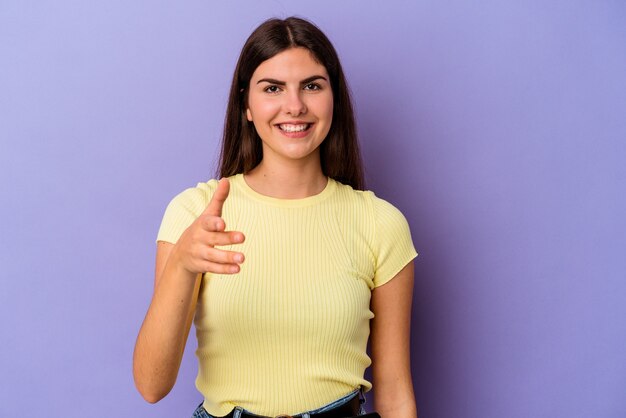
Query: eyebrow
{"x": 282, "y": 83}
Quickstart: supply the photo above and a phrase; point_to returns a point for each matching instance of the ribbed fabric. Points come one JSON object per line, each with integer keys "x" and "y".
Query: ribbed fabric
{"x": 288, "y": 333}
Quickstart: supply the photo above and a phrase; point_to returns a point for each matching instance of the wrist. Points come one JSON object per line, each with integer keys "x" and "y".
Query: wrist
{"x": 176, "y": 267}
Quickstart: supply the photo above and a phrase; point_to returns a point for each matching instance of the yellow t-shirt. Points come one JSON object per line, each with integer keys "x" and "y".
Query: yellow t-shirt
{"x": 288, "y": 333}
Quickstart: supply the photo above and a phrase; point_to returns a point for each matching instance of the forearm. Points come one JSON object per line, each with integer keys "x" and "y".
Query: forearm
{"x": 399, "y": 404}
{"x": 161, "y": 340}
{"x": 390, "y": 347}
{"x": 393, "y": 385}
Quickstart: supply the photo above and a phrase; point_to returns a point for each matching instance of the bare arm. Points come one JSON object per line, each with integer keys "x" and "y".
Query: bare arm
{"x": 390, "y": 341}
{"x": 163, "y": 334}
{"x": 161, "y": 340}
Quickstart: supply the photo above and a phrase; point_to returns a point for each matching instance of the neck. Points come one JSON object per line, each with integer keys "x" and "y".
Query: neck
{"x": 287, "y": 181}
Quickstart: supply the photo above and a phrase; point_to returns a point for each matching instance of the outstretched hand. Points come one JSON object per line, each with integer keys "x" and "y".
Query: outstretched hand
{"x": 196, "y": 250}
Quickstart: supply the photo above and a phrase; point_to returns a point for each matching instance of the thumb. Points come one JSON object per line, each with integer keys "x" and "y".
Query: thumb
{"x": 214, "y": 207}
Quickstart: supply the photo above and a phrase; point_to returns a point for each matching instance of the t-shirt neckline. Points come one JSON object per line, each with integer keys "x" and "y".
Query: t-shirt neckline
{"x": 239, "y": 180}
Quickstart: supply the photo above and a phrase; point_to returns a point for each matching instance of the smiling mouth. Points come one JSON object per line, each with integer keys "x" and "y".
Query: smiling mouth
{"x": 288, "y": 127}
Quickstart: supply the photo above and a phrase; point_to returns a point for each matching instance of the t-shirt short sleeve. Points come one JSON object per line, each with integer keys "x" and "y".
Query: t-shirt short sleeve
{"x": 393, "y": 243}
{"x": 183, "y": 210}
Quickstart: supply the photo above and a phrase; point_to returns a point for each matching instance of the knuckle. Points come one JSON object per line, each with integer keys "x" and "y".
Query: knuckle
{"x": 222, "y": 256}
{"x": 213, "y": 238}
{"x": 197, "y": 253}
{"x": 207, "y": 222}
{"x": 206, "y": 254}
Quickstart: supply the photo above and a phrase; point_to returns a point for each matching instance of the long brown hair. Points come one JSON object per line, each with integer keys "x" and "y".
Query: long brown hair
{"x": 241, "y": 146}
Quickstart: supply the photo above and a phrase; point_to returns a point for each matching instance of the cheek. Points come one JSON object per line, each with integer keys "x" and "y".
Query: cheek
{"x": 328, "y": 109}
{"x": 322, "y": 106}
{"x": 261, "y": 110}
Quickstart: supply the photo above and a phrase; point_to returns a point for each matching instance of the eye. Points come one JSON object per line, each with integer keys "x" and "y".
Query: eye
{"x": 272, "y": 89}
{"x": 312, "y": 87}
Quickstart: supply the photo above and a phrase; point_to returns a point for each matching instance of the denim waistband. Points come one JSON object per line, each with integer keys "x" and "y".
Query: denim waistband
{"x": 237, "y": 412}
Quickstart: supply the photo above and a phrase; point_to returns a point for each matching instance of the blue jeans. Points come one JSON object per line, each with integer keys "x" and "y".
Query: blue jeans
{"x": 200, "y": 412}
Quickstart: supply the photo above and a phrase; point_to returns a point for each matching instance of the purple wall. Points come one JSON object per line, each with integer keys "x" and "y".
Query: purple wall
{"x": 499, "y": 130}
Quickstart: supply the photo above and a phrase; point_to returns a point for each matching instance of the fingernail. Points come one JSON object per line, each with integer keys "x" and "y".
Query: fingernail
{"x": 238, "y": 258}
{"x": 234, "y": 269}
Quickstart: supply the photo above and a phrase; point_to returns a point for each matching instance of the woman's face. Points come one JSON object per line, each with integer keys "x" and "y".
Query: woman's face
{"x": 290, "y": 103}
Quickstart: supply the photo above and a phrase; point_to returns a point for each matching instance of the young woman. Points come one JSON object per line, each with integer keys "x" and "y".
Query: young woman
{"x": 284, "y": 263}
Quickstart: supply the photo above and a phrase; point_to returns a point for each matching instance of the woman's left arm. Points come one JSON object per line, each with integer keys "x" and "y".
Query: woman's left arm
{"x": 390, "y": 346}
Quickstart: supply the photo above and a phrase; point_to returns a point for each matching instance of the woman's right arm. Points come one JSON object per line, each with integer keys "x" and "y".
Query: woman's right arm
{"x": 163, "y": 334}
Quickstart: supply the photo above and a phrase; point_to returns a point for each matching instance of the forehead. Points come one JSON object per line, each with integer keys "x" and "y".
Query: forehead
{"x": 292, "y": 64}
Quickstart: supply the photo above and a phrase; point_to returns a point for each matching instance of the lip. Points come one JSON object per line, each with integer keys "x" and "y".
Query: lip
{"x": 293, "y": 122}
{"x": 299, "y": 134}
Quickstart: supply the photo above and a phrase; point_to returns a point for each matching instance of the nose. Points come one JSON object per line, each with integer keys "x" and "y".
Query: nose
{"x": 294, "y": 105}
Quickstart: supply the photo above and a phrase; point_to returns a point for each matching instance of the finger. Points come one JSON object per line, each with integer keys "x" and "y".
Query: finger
{"x": 216, "y": 204}
{"x": 225, "y": 238}
{"x": 220, "y": 268}
{"x": 212, "y": 227}
{"x": 210, "y": 235}
{"x": 212, "y": 223}
{"x": 224, "y": 257}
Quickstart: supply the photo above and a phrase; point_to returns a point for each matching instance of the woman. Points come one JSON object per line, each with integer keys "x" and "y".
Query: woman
{"x": 285, "y": 331}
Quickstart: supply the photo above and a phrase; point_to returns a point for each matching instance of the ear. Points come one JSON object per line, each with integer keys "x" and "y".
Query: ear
{"x": 249, "y": 115}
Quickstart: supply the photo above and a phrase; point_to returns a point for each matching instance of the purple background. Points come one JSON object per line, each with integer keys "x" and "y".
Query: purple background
{"x": 498, "y": 128}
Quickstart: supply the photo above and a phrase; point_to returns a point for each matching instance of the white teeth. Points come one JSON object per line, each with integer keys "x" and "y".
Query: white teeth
{"x": 293, "y": 128}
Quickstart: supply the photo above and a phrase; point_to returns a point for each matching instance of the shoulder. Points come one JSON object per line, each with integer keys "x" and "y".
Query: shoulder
{"x": 194, "y": 200}
{"x": 345, "y": 194}
{"x": 183, "y": 210}
{"x": 368, "y": 202}
{"x": 385, "y": 212}
{"x": 382, "y": 226}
